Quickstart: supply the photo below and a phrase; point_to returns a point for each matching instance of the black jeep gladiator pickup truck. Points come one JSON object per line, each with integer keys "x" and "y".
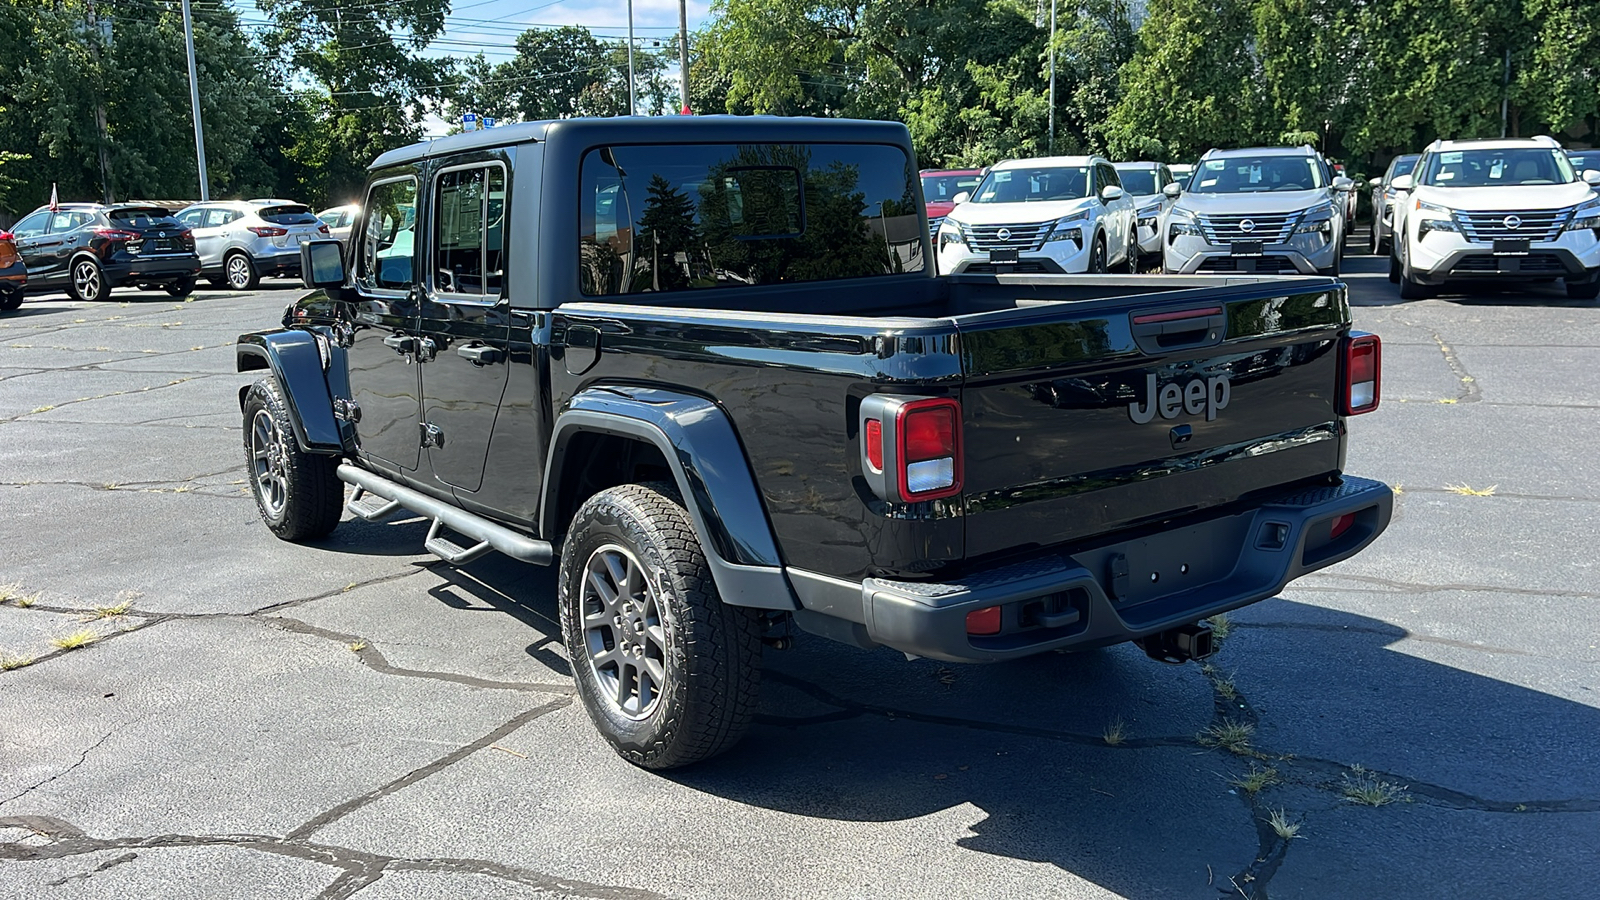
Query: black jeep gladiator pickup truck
{"x": 706, "y": 364}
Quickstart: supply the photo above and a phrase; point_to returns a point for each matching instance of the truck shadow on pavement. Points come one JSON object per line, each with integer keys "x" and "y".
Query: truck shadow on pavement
{"x": 1483, "y": 781}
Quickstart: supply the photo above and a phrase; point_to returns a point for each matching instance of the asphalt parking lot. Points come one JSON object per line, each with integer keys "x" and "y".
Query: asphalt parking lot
{"x": 356, "y": 719}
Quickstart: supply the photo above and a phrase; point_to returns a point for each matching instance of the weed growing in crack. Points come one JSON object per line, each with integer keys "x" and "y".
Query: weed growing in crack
{"x": 1368, "y": 789}
{"x": 107, "y": 612}
{"x": 1468, "y": 491}
{"x": 11, "y": 591}
{"x": 357, "y": 646}
{"x": 1229, "y": 734}
{"x": 1221, "y": 627}
{"x": 1281, "y": 826}
{"x": 9, "y": 662}
{"x": 1223, "y": 684}
{"x": 1256, "y": 780}
{"x": 83, "y": 637}
{"x": 1114, "y": 733}
{"x": 29, "y": 600}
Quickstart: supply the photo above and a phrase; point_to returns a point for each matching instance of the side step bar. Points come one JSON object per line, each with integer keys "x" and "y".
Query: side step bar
{"x": 489, "y": 535}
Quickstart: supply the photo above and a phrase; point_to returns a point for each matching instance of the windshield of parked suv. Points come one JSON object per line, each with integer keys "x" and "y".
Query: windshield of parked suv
{"x": 944, "y": 188}
{"x": 1030, "y": 185}
{"x": 1496, "y": 168}
{"x": 1138, "y": 182}
{"x": 690, "y": 216}
{"x": 288, "y": 215}
{"x": 1258, "y": 174}
{"x": 1402, "y": 165}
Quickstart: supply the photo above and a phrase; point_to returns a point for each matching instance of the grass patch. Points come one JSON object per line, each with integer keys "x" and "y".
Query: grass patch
{"x": 1223, "y": 684}
{"x": 1229, "y": 734}
{"x": 1115, "y": 733}
{"x": 1367, "y": 789}
{"x": 1467, "y": 491}
{"x": 1281, "y": 826}
{"x": 40, "y": 409}
{"x": 357, "y": 646}
{"x": 9, "y": 662}
{"x": 29, "y": 600}
{"x": 1258, "y": 779}
{"x": 1221, "y": 626}
{"x": 83, "y": 637}
{"x": 9, "y": 592}
{"x": 106, "y": 612}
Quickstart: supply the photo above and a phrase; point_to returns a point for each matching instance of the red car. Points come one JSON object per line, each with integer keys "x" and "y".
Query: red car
{"x": 13, "y": 274}
{"x": 939, "y": 189}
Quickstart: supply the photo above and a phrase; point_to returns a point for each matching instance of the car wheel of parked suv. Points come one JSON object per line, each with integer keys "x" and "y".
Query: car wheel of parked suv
{"x": 299, "y": 494}
{"x": 183, "y": 287}
{"x": 1583, "y": 291}
{"x": 88, "y": 281}
{"x": 10, "y": 301}
{"x": 1097, "y": 256}
{"x": 668, "y": 672}
{"x": 1394, "y": 265}
{"x": 1131, "y": 263}
{"x": 240, "y": 272}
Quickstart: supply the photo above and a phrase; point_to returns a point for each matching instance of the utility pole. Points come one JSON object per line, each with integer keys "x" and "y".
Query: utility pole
{"x": 683, "y": 54}
{"x": 633, "y": 97}
{"x": 1505, "y": 94}
{"x": 1052, "y": 147}
{"x": 194, "y": 102}
{"x": 95, "y": 34}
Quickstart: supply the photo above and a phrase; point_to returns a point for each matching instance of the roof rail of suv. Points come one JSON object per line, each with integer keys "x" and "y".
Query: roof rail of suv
{"x": 1542, "y": 140}
{"x": 1305, "y": 149}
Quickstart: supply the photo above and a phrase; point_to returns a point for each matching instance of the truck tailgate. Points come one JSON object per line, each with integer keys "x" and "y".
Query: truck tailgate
{"x": 1082, "y": 418}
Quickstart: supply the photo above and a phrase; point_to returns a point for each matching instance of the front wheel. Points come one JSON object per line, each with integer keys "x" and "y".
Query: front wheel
{"x": 88, "y": 281}
{"x": 1097, "y": 255}
{"x": 668, "y": 672}
{"x": 1583, "y": 291}
{"x": 299, "y": 494}
{"x": 240, "y": 273}
{"x": 10, "y": 300}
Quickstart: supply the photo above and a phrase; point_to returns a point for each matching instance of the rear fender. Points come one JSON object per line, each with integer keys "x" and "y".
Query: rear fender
{"x": 310, "y": 369}
{"x": 708, "y": 463}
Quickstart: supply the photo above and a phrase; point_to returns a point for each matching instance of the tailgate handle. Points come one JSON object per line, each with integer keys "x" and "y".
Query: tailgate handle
{"x": 1158, "y": 332}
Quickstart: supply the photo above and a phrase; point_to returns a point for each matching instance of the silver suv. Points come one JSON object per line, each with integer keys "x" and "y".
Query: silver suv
{"x": 1269, "y": 210}
{"x": 241, "y": 241}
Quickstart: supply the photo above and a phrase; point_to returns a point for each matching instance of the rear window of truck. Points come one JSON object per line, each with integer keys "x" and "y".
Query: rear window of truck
{"x": 694, "y": 216}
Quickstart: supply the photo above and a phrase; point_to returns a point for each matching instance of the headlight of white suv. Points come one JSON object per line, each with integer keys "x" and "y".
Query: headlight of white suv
{"x": 950, "y": 233}
{"x": 1182, "y": 222}
{"x": 1066, "y": 228}
{"x": 1149, "y": 214}
{"x": 1433, "y": 217}
{"x": 1587, "y": 215}
{"x": 1317, "y": 221}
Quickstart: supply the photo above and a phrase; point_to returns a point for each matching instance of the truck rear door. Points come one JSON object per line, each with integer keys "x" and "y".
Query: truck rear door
{"x": 1081, "y": 418}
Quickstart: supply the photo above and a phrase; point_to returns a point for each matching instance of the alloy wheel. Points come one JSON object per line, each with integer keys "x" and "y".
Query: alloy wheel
{"x": 268, "y": 459}
{"x": 624, "y": 631}
{"x": 238, "y": 272}
{"x": 86, "y": 279}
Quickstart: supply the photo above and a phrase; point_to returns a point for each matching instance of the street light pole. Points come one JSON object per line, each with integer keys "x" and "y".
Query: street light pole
{"x": 1052, "y": 147}
{"x": 683, "y": 54}
{"x": 633, "y": 97}
{"x": 194, "y": 101}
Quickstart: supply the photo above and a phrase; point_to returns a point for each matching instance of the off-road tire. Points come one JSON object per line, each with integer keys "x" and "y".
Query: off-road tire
{"x": 1583, "y": 291}
{"x": 86, "y": 281}
{"x": 310, "y": 498}
{"x": 239, "y": 272}
{"x": 712, "y": 661}
{"x": 183, "y": 287}
{"x": 10, "y": 300}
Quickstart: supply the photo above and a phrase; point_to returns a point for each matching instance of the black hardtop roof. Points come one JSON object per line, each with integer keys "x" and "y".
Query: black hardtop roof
{"x": 619, "y": 130}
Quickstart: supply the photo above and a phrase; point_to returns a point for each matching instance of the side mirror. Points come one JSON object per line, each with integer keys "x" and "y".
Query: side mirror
{"x": 1173, "y": 190}
{"x": 1343, "y": 184}
{"x": 322, "y": 264}
{"x": 1110, "y": 192}
{"x": 1401, "y": 183}
{"x": 1591, "y": 176}
{"x": 961, "y": 198}
{"x": 1374, "y": 182}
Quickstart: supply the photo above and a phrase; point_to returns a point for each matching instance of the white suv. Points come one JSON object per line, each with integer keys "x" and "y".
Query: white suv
{"x": 1055, "y": 215}
{"x": 1509, "y": 209}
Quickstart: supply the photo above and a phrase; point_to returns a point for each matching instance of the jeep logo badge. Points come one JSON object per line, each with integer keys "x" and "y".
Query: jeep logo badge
{"x": 1513, "y": 222}
{"x": 1247, "y": 226}
{"x": 1003, "y": 234}
{"x": 1207, "y": 395}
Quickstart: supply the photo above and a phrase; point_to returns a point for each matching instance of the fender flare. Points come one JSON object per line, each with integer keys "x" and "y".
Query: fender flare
{"x": 296, "y": 360}
{"x": 708, "y": 463}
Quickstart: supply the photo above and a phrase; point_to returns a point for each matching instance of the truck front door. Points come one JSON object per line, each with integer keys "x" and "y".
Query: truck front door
{"x": 465, "y": 316}
{"x": 384, "y": 347}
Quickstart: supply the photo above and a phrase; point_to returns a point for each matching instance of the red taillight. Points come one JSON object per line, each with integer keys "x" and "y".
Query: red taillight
{"x": 324, "y": 229}
{"x": 7, "y": 236}
{"x": 1341, "y": 525}
{"x": 267, "y": 231}
{"x": 1362, "y": 375}
{"x": 984, "y": 621}
{"x": 116, "y": 234}
{"x": 929, "y": 448}
{"x": 874, "y": 439}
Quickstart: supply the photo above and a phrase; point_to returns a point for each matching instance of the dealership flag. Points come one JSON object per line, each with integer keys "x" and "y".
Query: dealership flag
{"x": 54, "y": 203}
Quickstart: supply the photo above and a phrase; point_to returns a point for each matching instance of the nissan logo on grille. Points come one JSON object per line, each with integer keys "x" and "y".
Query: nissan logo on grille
{"x": 1003, "y": 234}
{"x": 1513, "y": 222}
{"x": 1247, "y": 226}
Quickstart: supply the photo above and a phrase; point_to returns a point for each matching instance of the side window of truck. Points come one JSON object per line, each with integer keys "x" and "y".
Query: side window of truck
{"x": 468, "y": 231}
{"x": 696, "y": 216}
{"x": 388, "y": 238}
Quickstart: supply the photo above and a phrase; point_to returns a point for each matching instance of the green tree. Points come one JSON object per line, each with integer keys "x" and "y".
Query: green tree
{"x": 562, "y": 72}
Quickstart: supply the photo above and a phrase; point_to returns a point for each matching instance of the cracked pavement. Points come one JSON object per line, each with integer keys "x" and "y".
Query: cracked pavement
{"x": 252, "y": 718}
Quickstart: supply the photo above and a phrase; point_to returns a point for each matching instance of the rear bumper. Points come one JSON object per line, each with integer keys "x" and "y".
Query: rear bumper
{"x": 1110, "y": 593}
{"x": 282, "y": 264}
{"x": 155, "y": 268}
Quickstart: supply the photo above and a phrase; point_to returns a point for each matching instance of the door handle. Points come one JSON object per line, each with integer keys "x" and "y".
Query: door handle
{"x": 401, "y": 343}
{"x": 479, "y": 354}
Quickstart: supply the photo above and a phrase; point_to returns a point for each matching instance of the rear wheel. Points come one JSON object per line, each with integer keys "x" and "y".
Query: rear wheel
{"x": 667, "y": 671}
{"x": 240, "y": 272}
{"x": 299, "y": 494}
{"x": 1131, "y": 263}
{"x": 10, "y": 300}
{"x": 183, "y": 287}
{"x": 1583, "y": 291}
{"x": 88, "y": 282}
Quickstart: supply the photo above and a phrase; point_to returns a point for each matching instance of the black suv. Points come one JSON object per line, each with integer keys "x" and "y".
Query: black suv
{"x": 90, "y": 248}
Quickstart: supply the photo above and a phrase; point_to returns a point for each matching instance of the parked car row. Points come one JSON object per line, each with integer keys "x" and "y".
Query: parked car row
{"x": 87, "y": 249}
